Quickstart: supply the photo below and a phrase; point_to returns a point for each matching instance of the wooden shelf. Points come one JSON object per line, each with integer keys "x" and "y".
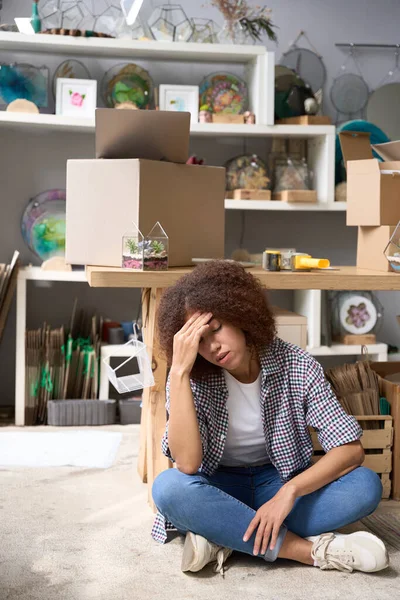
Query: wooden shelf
{"x": 346, "y": 278}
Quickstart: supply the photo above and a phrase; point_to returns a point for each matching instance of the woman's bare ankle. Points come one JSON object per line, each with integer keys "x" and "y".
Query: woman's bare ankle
{"x": 296, "y": 548}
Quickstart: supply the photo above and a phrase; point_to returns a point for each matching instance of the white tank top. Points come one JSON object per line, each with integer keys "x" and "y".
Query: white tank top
{"x": 245, "y": 442}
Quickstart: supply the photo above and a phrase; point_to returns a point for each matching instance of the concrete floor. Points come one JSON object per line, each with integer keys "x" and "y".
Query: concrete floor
{"x": 80, "y": 534}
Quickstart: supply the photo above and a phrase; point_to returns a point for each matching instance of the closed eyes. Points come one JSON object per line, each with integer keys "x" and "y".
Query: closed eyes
{"x": 212, "y": 331}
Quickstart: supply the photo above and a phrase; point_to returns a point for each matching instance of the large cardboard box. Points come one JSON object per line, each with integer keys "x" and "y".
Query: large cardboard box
{"x": 371, "y": 243}
{"x": 373, "y": 187}
{"x": 105, "y": 195}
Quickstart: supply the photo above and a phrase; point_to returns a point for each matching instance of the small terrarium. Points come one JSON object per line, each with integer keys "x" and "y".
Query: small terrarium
{"x": 133, "y": 249}
{"x": 392, "y": 250}
{"x": 135, "y": 372}
{"x": 155, "y": 257}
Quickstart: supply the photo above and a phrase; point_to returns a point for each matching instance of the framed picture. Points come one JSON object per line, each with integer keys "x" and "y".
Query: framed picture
{"x": 76, "y": 97}
{"x": 180, "y": 98}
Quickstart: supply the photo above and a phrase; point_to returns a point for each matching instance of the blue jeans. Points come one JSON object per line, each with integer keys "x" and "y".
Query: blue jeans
{"x": 220, "y": 507}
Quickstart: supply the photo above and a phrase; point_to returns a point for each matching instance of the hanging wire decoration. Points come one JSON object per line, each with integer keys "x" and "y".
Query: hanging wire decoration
{"x": 382, "y": 108}
{"x": 308, "y": 64}
{"x": 349, "y": 92}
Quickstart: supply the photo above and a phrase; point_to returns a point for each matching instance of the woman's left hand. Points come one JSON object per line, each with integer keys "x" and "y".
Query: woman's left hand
{"x": 269, "y": 518}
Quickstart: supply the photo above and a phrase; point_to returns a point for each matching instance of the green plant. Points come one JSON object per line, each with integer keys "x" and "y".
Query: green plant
{"x": 255, "y": 21}
{"x": 157, "y": 247}
{"x": 256, "y": 26}
{"x": 132, "y": 246}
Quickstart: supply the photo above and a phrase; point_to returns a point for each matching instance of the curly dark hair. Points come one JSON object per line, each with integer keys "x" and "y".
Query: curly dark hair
{"x": 232, "y": 294}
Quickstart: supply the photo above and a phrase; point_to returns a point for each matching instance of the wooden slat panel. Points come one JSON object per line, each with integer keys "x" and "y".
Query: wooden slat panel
{"x": 371, "y": 439}
{"x": 380, "y": 463}
{"x": 373, "y": 417}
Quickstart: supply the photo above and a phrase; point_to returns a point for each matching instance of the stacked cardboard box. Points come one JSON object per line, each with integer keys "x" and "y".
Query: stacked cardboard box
{"x": 373, "y": 197}
{"x": 140, "y": 175}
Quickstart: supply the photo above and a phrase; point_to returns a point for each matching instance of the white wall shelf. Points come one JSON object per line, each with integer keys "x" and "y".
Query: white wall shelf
{"x": 284, "y": 206}
{"x": 104, "y": 47}
{"x": 38, "y": 274}
{"x": 377, "y": 351}
{"x": 43, "y": 122}
{"x": 258, "y": 62}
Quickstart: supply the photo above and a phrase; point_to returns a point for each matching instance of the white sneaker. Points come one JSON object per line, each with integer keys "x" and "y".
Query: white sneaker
{"x": 360, "y": 551}
{"x": 198, "y": 552}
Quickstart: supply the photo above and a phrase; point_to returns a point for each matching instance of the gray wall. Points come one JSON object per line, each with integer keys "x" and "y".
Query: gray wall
{"x": 322, "y": 234}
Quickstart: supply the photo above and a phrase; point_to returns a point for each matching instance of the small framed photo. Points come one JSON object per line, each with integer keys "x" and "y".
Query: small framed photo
{"x": 76, "y": 97}
{"x": 180, "y": 98}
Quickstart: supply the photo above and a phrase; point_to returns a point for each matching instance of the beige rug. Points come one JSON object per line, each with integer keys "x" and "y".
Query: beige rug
{"x": 84, "y": 534}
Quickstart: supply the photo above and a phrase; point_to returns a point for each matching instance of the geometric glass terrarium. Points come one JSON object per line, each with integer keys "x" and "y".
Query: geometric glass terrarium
{"x": 132, "y": 249}
{"x": 90, "y": 15}
{"x": 392, "y": 250}
{"x": 140, "y": 374}
{"x": 169, "y": 23}
{"x": 156, "y": 248}
{"x": 204, "y": 31}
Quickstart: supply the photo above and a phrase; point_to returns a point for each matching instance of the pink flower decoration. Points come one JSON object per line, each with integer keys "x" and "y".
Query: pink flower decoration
{"x": 76, "y": 98}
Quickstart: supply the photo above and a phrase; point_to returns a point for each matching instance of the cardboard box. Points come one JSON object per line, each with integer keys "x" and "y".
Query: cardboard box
{"x": 373, "y": 187}
{"x": 371, "y": 243}
{"x": 291, "y": 327}
{"x": 105, "y": 195}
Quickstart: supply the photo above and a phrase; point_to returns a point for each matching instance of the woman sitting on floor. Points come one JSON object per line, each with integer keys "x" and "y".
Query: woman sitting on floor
{"x": 240, "y": 402}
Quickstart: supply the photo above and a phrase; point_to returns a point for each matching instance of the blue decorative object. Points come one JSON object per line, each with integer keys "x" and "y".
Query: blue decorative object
{"x": 35, "y": 19}
{"x": 24, "y": 81}
{"x": 377, "y": 136}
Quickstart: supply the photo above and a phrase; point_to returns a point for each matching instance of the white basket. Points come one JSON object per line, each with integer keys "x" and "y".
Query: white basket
{"x": 133, "y": 382}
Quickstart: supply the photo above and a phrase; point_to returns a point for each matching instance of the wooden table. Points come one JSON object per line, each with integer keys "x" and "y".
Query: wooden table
{"x": 151, "y": 460}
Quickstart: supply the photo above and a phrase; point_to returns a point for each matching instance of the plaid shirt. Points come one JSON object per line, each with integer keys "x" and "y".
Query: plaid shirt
{"x": 294, "y": 396}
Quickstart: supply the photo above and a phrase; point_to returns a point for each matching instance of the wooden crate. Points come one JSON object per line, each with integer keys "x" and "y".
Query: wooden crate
{"x": 251, "y": 194}
{"x": 306, "y": 120}
{"x": 373, "y": 439}
{"x": 228, "y": 118}
{"x": 350, "y": 339}
{"x": 295, "y": 196}
{"x": 391, "y": 391}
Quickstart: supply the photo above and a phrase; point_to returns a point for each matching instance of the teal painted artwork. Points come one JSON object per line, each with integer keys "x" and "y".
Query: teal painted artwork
{"x": 43, "y": 224}
{"x": 24, "y": 81}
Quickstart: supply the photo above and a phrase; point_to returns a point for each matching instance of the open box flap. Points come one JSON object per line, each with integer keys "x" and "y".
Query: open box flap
{"x": 355, "y": 145}
{"x": 149, "y": 134}
{"x": 389, "y": 151}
